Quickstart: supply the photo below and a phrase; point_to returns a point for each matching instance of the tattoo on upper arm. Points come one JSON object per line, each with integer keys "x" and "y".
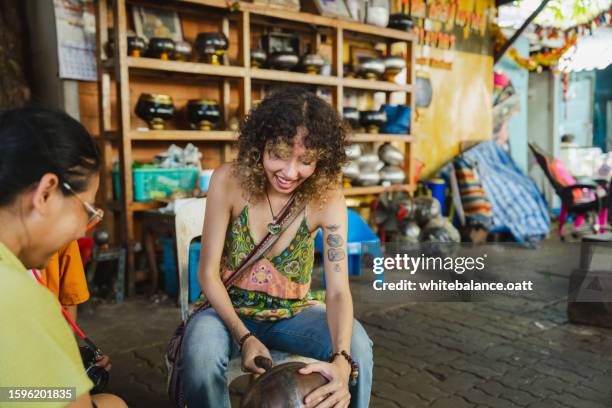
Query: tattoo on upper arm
{"x": 335, "y": 240}
{"x": 335, "y": 254}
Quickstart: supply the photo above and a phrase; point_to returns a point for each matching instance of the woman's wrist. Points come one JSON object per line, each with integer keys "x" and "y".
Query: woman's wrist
{"x": 243, "y": 339}
{"x": 344, "y": 366}
{"x": 345, "y": 357}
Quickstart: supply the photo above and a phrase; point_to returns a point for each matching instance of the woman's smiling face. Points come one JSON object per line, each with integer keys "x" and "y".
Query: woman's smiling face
{"x": 286, "y": 166}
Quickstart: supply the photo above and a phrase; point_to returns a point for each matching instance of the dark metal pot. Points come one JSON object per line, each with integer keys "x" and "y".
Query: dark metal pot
{"x": 203, "y": 114}
{"x": 160, "y": 47}
{"x": 373, "y": 120}
{"x": 371, "y": 68}
{"x": 211, "y": 47}
{"x": 154, "y": 109}
{"x": 281, "y": 386}
{"x": 351, "y": 116}
{"x": 400, "y": 21}
{"x": 182, "y": 51}
{"x": 312, "y": 63}
{"x": 136, "y": 46}
{"x": 258, "y": 57}
{"x": 284, "y": 60}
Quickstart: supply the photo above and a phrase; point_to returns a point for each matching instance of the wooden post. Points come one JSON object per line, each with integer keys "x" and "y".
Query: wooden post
{"x": 125, "y": 144}
{"x": 244, "y": 42}
{"x": 225, "y": 94}
{"x": 225, "y": 84}
{"x": 410, "y": 101}
{"x": 338, "y": 68}
{"x": 104, "y": 107}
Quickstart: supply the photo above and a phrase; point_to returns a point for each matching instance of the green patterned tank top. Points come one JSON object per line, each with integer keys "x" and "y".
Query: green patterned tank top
{"x": 274, "y": 288}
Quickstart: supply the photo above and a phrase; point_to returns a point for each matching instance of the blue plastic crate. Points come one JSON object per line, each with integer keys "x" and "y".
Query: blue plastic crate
{"x": 170, "y": 269}
{"x": 152, "y": 183}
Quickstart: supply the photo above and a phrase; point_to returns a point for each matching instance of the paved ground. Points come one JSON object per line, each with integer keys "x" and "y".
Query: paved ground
{"x": 507, "y": 351}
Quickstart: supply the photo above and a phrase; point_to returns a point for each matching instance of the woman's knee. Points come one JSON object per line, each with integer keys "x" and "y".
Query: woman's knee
{"x": 361, "y": 346}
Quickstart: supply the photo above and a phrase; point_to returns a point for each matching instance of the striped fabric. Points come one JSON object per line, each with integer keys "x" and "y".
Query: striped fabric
{"x": 474, "y": 200}
{"x": 517, "y": 203}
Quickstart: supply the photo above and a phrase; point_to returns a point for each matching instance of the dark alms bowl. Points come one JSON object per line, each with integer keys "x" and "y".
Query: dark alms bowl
{"x": 155, "y": 109}
{"x": 284, "y": 60}
{"x": 282, "y": 386}
{"x": 312, "y": 63}
{"x": 203, "y": 114}
{"x": 373, "y": 120}
{"x": 182, "y": 51}
{"x": 258, "y": 57}
{"x": 211, "y": 46}
{"x": 160, "y": 47}
{"x": 351, "y": 116}
{"x": 136, "y": 46}
{"x": 400, "y": 21}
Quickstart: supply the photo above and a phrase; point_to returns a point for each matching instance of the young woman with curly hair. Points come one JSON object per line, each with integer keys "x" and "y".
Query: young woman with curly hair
{"x": 292, "y": 144}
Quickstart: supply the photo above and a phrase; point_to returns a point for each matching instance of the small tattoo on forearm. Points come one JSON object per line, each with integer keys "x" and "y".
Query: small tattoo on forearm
{"x": 335, "y": 254}
{"x": 332, "y": 227}
{"x": 337, "y": 268}
{"x": 335, "y": 240}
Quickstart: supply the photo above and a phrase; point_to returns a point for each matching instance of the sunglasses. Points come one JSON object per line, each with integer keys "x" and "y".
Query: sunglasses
{"x": 95, "y": 214}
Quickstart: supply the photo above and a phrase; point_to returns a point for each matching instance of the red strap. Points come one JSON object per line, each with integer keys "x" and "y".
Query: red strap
{"x": 64, "y": 312}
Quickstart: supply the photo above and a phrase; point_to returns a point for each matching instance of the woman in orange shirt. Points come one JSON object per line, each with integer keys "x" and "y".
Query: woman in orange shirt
{"x": 65, "y": 277}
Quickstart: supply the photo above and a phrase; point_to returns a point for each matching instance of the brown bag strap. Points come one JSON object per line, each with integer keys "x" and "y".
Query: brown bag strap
{"x": 285, "y": 219}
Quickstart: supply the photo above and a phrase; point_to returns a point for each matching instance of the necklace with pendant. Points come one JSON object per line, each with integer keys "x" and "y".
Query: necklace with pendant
{"x": 274, "y": 227}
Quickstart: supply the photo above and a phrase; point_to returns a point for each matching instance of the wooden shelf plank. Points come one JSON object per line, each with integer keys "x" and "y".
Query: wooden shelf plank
{"x": 197, "y": 68}
{"x": 136, "y": 205}
{"x": 352, "y": 191}
{"x": 227, "y": 135}
{"x": 293, "y": 77}
{"x": 383, "y": 86}
{"x": 312, "y": 19}
{"x": 177, "y": 135}
{"x": 377, "y": 31}
{"x": 146, "y": 205}
{"x": 380, "y": 137}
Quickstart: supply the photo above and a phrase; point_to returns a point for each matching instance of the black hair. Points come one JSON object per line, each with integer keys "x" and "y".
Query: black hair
{"x": 35, "y": 141}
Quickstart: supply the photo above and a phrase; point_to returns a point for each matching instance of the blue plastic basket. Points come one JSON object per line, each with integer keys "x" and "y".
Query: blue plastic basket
{"x": 152, "y": 183}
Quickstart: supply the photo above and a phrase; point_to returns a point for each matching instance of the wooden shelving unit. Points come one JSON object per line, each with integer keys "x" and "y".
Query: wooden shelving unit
{"x": 122, "y": 70}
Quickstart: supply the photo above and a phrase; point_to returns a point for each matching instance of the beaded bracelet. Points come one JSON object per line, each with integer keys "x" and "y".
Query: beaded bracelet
{"x": 243, "y": 339}
{"x": 353, "y": 363}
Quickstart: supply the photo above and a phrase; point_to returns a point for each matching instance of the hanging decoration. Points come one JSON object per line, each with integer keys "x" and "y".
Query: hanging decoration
{"x": 540, "y": 60}
{"x": 547, "y": 59}
{"x": 565, "y": 89}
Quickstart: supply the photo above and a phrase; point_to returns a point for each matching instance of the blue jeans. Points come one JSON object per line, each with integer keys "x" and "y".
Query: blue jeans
{"x": 208, "y": 346}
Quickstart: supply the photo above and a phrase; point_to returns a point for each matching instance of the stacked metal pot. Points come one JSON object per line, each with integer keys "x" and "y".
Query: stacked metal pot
{"x": 370, "y": 169}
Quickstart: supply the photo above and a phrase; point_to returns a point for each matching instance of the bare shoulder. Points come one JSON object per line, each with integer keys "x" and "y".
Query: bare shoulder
{"x": 225, "y": 186}
{"x": 223, "y": 180}
{"x": 331, "y": 210}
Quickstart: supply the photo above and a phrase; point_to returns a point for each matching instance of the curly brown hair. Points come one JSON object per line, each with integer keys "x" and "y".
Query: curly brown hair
{"x": 276, "y": 121}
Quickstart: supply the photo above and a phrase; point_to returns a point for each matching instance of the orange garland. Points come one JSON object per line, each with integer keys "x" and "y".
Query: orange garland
{"x": 546, "y": 59}
{"x": 535, "y": 61}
